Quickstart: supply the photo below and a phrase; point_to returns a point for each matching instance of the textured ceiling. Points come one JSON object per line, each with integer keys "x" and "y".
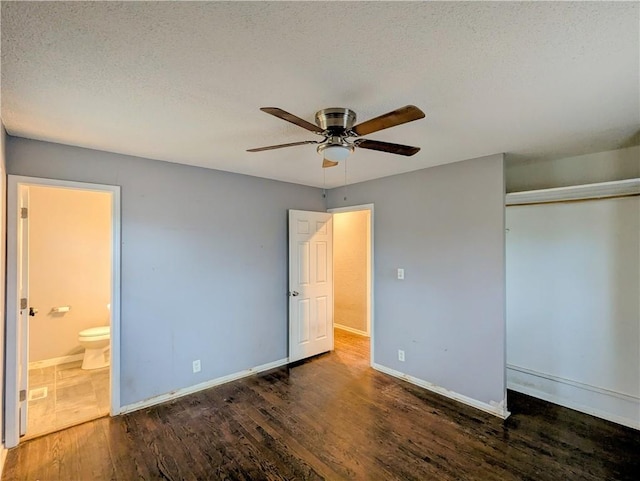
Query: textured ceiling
{"x": 183, "y": 82}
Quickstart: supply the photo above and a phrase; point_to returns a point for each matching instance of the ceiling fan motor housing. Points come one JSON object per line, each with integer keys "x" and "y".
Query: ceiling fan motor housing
{"x": 336, "y": 119}
{"x": 336, "y": 122}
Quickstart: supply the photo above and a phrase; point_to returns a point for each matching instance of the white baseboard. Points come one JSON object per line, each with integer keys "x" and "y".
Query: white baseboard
{"x": 351, "y": 329}
{"x": 152, "y": 401}
{"x": 613, "y": 406}
{"x": 497, "y": 409}
{"x": 54, "y": 361}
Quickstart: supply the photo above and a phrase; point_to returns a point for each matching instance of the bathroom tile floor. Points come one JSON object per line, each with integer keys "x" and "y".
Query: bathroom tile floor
{"x": 65, "y": 395}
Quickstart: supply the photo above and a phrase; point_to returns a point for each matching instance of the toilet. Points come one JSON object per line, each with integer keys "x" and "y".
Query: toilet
{"x": 95, "y": 341}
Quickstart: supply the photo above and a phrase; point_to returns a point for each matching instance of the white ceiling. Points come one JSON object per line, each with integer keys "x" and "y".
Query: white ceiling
{"x": 183, "y": 82}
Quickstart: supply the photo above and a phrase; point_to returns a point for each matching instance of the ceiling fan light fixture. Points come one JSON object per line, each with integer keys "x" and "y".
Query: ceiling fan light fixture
{"x": 335, "y": 152}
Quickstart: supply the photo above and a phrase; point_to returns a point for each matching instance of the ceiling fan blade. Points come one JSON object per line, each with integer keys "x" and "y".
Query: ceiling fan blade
{"x": 400, "y": 116}
{"x": 272, "y": 147}
{"x": 281, "y": 114}
{"x": 328, "y": 163}
{"x": 406, "y": 150}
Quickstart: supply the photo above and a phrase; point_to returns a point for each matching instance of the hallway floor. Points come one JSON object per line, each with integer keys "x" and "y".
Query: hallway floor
{"x": 65, "y": 395}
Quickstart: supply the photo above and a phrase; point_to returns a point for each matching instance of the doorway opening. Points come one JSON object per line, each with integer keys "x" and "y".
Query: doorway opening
{"x": 62, "y": 305}
{"x": 352, "y": 270}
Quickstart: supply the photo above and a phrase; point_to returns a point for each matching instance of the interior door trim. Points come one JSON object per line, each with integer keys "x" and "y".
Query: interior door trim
{"x": 14, "y": 182}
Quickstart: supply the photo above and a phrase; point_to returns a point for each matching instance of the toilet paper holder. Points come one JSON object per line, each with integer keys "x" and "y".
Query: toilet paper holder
{"x": 61, "y": 309}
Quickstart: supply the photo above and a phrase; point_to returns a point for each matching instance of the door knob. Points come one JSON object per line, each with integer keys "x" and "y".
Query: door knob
{"x": 32, "y": 311}
{"x": 295, "y": 293}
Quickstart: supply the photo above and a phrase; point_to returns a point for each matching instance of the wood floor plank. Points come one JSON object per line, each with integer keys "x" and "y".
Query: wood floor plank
{"x": 93, "y": 464}
{"x": 332, "y": 417}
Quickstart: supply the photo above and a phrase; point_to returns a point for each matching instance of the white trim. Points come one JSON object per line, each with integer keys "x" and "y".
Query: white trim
{"x": 578, "y": 384}
{"x": 611, "y": 400}
{"x": 350, "y": 329}
{"x": 497, "y": 409}
{"x": 14, "y": 182}
{"x": 370, "y": 272}
{"x": 576, "y": 192}
{"x": 55, "y": 361}
{"x": 114, "y": 356}
{"x": 504, "y": 289}
{"x": 12, "y": 364}
{"x": 152, "y": 401}
{"x": 350, "y": 208}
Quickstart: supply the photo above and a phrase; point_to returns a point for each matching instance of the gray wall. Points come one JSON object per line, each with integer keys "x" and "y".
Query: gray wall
{"x": 204, "y": 262}
{"x": 584, "y": 169}
{"x": 445, "y": 226}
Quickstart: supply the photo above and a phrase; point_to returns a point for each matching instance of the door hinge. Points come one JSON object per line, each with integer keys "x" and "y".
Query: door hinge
{"x": 23, "y": 303}
{"x": 23, "y": 212}
{"x": 23, "y": 395}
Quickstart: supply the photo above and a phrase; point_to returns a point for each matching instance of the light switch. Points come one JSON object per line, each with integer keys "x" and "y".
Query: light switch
{"x": 400, "y": 273}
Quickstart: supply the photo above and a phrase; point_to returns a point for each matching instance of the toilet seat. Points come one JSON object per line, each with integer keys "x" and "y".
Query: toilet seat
{"x": 96, "y": 333}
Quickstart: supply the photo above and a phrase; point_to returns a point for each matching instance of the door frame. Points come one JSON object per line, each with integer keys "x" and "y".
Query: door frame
{"x": 370, "y": 271}
{"x": 14, "y": 185}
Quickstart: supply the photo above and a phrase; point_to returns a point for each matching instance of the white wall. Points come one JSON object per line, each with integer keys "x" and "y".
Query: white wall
{"x": 350, "y": 258}
{"x": 69, "y": 265}
{"x": 583, "y": 169}
{"x": 445, "y": 226}
{"x": 204, "y": 263}
{"x": 573, "y": 308}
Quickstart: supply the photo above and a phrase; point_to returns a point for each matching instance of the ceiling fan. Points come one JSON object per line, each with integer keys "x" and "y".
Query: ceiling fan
{"x": 341, "y": 137}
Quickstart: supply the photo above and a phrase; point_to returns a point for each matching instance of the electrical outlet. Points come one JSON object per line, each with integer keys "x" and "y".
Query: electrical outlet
{"x": 196, "y": 365}
{"x": 400, "y": 355}
{"x": 400, "y": 273}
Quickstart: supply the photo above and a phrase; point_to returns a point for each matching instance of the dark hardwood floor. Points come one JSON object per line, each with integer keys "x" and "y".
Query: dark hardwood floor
{"x": 332, "y": 418}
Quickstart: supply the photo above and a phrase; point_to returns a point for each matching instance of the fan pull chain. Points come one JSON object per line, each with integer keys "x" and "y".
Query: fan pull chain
{"x": 345, "y": 179}
{"x": 324, "y": 183}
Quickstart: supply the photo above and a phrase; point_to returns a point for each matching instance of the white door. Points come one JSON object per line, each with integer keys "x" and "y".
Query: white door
{"x": 310, "y": 284}
{"x": 23, "y": 296}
